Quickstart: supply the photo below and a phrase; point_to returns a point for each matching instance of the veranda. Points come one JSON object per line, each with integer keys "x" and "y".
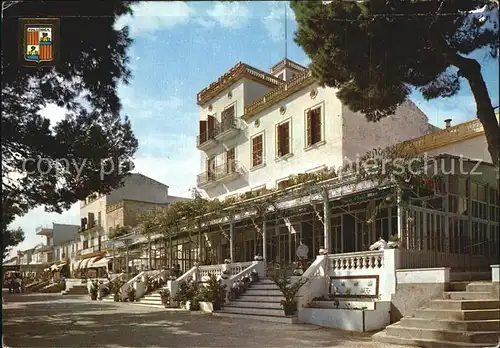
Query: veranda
{"x": 453, "y": 225}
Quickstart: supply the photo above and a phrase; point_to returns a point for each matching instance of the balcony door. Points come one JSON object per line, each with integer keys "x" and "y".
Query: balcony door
{"x": 211, "y": 168}
{"x": 230, "y": 161}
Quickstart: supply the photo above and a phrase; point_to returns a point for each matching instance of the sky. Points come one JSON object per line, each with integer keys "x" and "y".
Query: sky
{"x": 180, "y": 48}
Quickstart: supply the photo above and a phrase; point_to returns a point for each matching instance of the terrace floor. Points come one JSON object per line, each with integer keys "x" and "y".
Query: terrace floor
{"x": 51, "y": 320}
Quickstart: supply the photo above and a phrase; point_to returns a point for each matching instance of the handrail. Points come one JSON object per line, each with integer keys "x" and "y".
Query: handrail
{"x": 188, "y": 274}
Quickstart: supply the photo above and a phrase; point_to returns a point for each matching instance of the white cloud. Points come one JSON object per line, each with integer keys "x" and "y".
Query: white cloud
{"x": 150, "y": 17}
{"x": 228, "y": 15}
{"x": 274, "y": 22}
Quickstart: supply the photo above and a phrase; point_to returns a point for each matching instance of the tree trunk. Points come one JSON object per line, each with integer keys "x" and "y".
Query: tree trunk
{"x": 470, "y": 69}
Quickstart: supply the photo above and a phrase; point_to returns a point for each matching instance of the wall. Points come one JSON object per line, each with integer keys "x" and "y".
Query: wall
{"x": 328, "y": 152}
{"x": 127, "y": 213}
{"x": 474, "y": 148}
{"x": 63, "y": 233}
{"x": 361, "y": 136}
{"x": 253, "y": 90}
{"x": 415, "y": 288}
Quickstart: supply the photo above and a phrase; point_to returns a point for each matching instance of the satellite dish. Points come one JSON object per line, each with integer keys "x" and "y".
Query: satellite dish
{"x": 302, "y": 251}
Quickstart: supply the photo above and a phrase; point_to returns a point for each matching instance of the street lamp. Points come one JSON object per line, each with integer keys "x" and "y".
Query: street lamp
{"x": 7, "y": 4}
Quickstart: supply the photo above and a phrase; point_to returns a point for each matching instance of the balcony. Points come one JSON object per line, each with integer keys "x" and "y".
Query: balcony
{"x": 46, "y": 249}
{"x": 227, "y": 129}
{"x": 228, "y": 171}
{"x": 90, "y": 250}
{"x": 206, "y": 141}
{"x": 223, "y": 173}
{"x": 206, "y": 179}
{"x": 44, "y": 231}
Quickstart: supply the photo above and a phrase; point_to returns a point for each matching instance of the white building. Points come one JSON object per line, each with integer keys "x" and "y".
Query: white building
{"x": 257, "y": 129}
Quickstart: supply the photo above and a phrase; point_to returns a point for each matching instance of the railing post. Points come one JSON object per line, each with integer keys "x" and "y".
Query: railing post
{"x": 231, "y": 240}
{"x": 264, "y": 241}
{"x": 327, "y": 220}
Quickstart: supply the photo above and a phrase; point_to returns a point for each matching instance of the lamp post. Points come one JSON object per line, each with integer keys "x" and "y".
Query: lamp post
{"x": 7, "y": 4}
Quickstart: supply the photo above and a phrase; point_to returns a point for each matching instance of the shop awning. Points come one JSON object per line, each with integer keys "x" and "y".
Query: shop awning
{"x": 84, "y": 263}
{"x": 87, "y": 263}
{"x": 100, "y": 263}
{"x": 76, "y": 265}
{"x": 56, "y": 267}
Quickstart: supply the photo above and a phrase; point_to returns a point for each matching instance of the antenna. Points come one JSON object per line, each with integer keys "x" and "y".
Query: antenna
{"x": 286, "y": 30}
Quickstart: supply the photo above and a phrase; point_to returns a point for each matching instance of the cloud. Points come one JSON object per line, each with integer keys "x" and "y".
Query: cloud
{"x": 150, "y": 17}
{"x": 274, "y": 21}
{"x": 228, "y": 15}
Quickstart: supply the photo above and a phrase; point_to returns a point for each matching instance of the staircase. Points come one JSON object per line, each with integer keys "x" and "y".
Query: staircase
{"x": 467, "y": 316}
{"x": 77, "y": 290}
{"x": 151, "y": 300}
{"x": 262, "y": 301}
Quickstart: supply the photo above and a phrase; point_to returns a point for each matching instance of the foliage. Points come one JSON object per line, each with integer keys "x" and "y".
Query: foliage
{"x": 187, "y": 291}
{"x": 92, "y": 136}
{"x": 213, "y": 291}
{"x": 115, "y": 232}
{"x": 165, "y": 296}
{"x": 131, "y": 294}
{"x": 11, "y": 238}
{"x": 288, "y": 288}
{"x": 94, "y": 289}
{"x": 375, "y": 52}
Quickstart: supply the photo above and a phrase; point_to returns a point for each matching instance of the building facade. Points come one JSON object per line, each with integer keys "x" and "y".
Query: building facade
{"x": 256, "y": 129}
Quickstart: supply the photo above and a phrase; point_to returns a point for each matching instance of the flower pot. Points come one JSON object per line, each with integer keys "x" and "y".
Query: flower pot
{"x": 207, "y": 307}
{"x": 93, "y": 297}
{"x": 289, "y": 308}
{"x": 187, "y": 305}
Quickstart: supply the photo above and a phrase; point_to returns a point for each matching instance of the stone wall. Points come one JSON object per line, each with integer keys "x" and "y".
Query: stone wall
{"x": 127, "y": 213}
{"x": 415, "y": 288}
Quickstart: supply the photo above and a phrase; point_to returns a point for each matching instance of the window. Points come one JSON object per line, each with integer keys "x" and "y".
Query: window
{"x": 99, "y": 219}
{"x": 85, "y": 244}
{"x": 313, "y": 126}
{"x": 283, "y": 139}
{"x": 283, "y": 184}
{"x": 280, "y": 76}
{"x": 207, "y": 129}
{"x": 257, "y": 150}
{"x": 230, "y": 161}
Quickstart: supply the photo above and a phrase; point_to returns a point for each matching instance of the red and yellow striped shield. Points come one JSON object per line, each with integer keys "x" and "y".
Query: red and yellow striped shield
{"x": 39, "y": 44}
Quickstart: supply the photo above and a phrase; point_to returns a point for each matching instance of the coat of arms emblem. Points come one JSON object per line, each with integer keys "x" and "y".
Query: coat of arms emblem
{"x": 40, "y": 41}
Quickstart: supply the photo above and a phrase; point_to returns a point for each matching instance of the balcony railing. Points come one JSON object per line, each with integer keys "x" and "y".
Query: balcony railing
{"x": 227, "y": 128}
{"x": 225, "y": 171}
{"x": 204, "y": 138}
{"x": 89, "y": 250}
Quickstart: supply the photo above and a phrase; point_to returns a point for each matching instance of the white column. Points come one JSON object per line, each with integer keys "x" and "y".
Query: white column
{"x": 327, "y": 229}
{"x": 264, "y": 241}
{"x": 231, "y": 241}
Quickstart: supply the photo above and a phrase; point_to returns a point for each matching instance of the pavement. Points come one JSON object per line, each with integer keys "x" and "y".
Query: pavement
{"x": 52, "y": 320}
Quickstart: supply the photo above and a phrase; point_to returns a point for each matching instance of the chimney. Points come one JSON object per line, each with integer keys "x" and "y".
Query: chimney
{"x": 448, "y": 122}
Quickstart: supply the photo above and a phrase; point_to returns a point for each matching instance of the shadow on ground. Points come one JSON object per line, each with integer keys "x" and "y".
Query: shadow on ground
{"x": 78, "y": 323}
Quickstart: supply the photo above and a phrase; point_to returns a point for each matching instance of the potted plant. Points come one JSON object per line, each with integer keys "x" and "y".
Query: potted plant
{"x": 185, "y": 294}
{"x": 394, "y": 241}
{"x": 288, "y": 289}
{"x": 210, "y": 294}
{"x": 94, "y": 290}
{"x": 254, "y": 276}
{"x": 246, "y": 282}
{"x": 131, "y": 294}
{"x": 165, "y": 297}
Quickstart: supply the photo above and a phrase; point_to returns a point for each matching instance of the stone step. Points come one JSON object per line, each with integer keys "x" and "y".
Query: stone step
{"x": 230, "y": 308}
{"x": 470, "y": 276}
{"x": 383, "y": 337}
{"x": 147, "y": 301}
{"x": 145, "y": 304}
{"x": 464, "y": 304}
{"x": 265, "y": 281}
{"x": 261, "y": 304}
{"x": 268, "y": 292}
{"x": 483, "y": 314}
{"x": 481, "y": 287}
{"x": 271, "y": 318}
{"x": 468, "y": 295}
{"x": 485, "y": 337}
{"x": 264, "y": 298}
{"x": 265, "y": 286}
{"x": 458, "y": 286}
{"x": 453, "y": 325}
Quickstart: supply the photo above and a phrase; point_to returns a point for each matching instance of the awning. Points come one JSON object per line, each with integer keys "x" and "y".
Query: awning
{"x": 56, "y": 267}
{"x": 77, "y": 264}
{"x": 100, "y": 263}
{"x": 84, "y": 263}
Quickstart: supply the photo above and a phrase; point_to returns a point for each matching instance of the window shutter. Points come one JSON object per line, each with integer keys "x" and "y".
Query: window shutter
{"x": 211, "y": 123}
{"x": 309, "y": 131}
{"x": 278, "y": 141}
{"x": 286, "y": 138}
{"x": 203, "y": 131}
{"x": 317, "y": 125}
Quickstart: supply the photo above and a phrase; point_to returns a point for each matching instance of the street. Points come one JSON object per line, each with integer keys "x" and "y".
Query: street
{"x": 51, "y": 320}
